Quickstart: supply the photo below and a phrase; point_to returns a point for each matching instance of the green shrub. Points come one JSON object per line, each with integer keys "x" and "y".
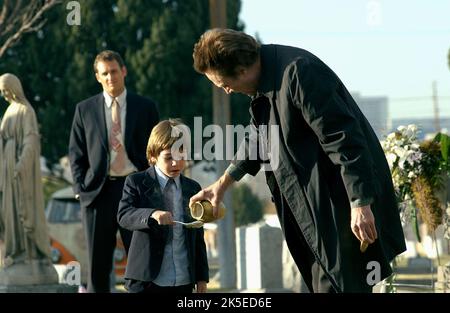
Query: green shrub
{"x": 52, "y": 184}
{"x": 248, "y": 208}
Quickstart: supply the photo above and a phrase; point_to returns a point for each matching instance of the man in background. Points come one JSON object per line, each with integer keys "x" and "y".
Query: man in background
{"x": 107, "y": 142}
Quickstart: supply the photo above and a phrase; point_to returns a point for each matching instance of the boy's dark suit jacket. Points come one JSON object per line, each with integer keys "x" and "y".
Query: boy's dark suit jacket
{"x": 141, "y": 197}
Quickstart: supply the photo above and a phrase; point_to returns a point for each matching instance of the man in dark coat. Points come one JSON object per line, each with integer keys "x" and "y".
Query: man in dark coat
{"x": 108, "y": 141}
{"x": 331, "y": 183}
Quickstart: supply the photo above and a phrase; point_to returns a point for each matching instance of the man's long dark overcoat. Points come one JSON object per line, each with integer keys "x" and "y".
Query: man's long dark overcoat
{"x": 330, "y": 160}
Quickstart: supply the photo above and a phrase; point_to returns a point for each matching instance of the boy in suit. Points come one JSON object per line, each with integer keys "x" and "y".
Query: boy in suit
{"x": 163, "y": 256}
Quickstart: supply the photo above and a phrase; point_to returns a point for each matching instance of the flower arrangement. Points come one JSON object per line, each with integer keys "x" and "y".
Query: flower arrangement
{"x": 420, "y": 169}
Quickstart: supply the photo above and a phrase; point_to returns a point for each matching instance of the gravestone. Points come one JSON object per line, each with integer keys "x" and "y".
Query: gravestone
{"x": 34, "y": 276}
{"x": 292, "y": 279}
{"x": 443, "y": 278}
{"x": 259, "y": 264}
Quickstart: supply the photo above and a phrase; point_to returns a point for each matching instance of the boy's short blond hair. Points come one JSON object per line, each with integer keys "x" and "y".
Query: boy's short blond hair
{"x": 163, "y": 137}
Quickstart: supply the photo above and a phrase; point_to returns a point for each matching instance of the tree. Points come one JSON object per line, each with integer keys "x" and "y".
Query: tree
{"x": 18, "y": 18}
{"x": 248, "y": 208}
{"x": 163, "y": 64}
{"x": 58, "y": 73}
{"x": 155, "y": 38}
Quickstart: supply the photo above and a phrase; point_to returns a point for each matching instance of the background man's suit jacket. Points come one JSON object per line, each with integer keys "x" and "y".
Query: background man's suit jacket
{"x": 141, "y": 197}
{"x": 89, "y": 146}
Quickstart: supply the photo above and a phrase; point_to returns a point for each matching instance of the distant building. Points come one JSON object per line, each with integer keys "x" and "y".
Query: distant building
{"x": 376, "y": 111}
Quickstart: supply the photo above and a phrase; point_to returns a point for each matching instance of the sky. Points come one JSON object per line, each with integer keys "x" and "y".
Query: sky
{"x": 393, "y": 48}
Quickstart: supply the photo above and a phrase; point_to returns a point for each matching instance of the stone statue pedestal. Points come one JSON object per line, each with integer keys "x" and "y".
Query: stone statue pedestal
{"x": 53, "y": 288}
{"x": 36, "y": 276}
{"x": 34, "y": 272}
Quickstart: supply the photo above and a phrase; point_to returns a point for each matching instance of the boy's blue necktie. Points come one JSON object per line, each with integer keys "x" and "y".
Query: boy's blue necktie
{"x": 169, "y": 197}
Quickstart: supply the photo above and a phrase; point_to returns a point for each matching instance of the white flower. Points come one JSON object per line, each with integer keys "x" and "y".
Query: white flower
{"x": 401, "y": 163}
{"x": 401, "y": 128}
{"x": 391, "y": 158}
{"x": 412, "y": 127}
{"x": 391, "y": 136}
{"x": 400, "y": 152}
{"x": 411, "y": 132}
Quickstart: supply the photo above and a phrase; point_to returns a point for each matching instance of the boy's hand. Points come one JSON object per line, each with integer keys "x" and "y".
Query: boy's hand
{"x": 163, "y": 217}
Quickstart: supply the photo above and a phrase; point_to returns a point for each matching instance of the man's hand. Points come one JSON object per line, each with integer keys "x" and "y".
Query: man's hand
{"x": 163, "y": 217}
{"x": 363, "y": 224}
{"x": 201, "y": 286}
{"x": 213, "y": 193}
